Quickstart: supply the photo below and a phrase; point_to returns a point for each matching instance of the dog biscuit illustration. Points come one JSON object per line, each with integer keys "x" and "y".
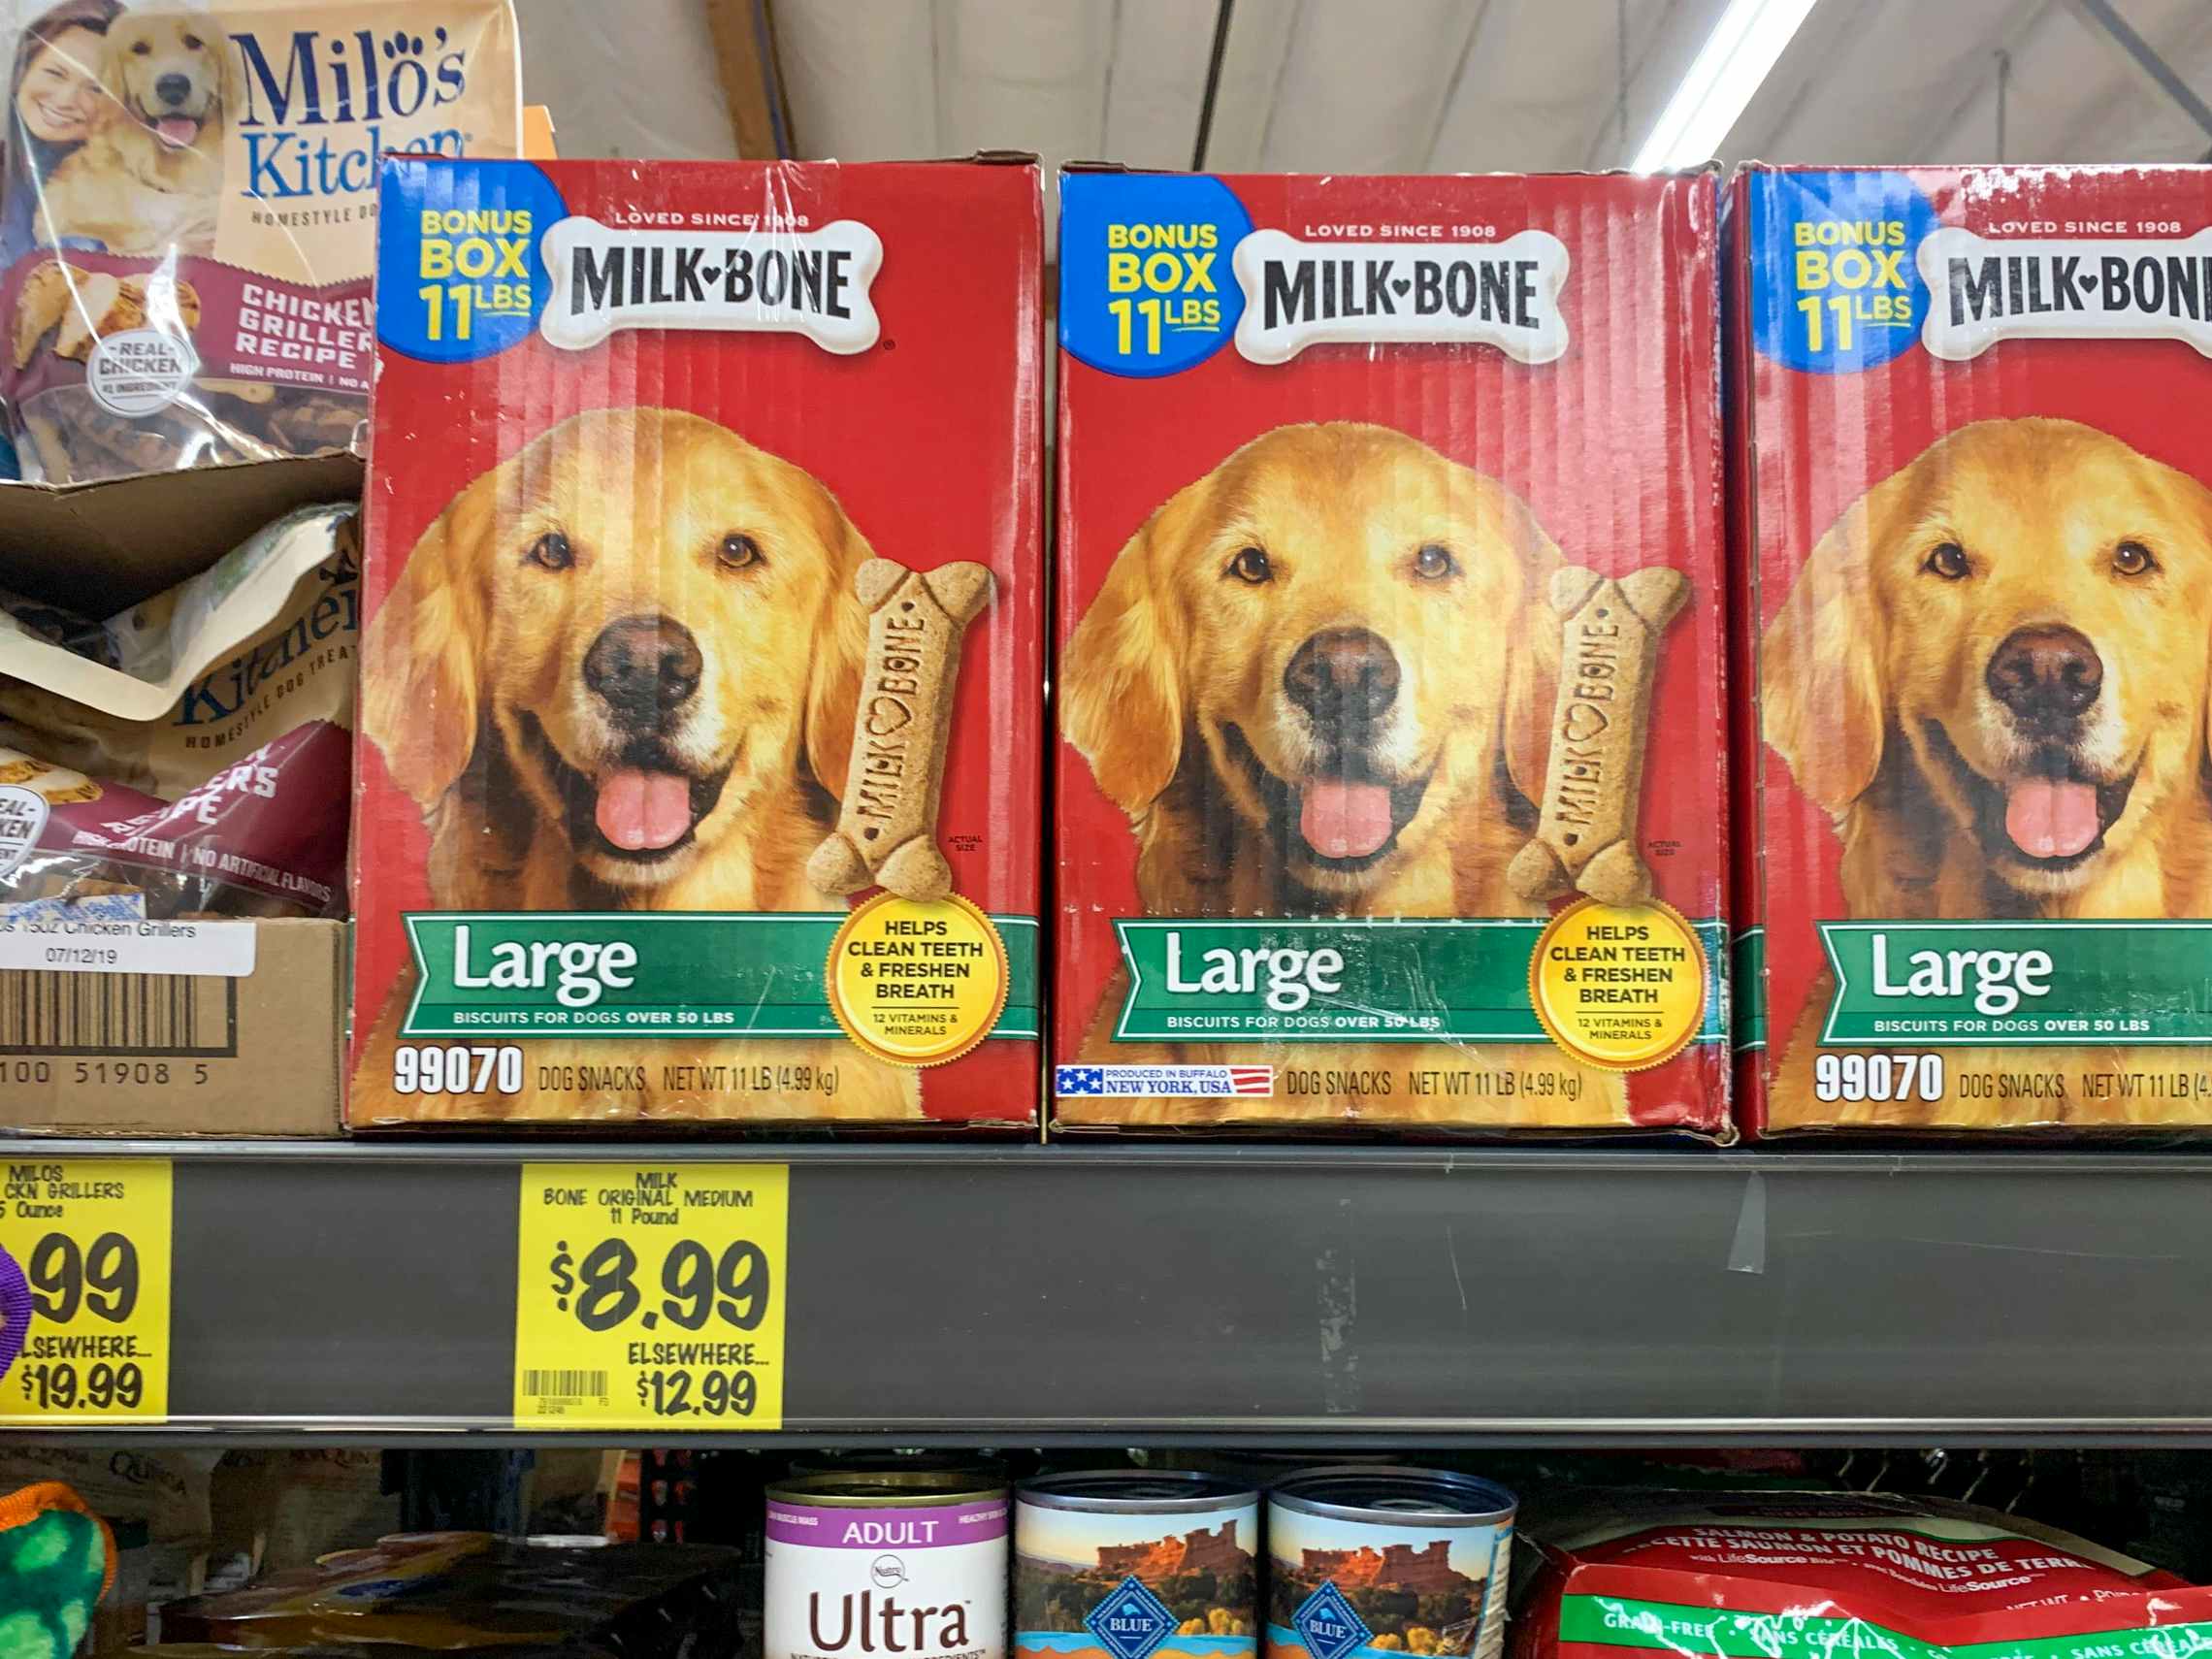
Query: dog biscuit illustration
{"x": 887, "y": 826}
{"x": 1585, "y": 834}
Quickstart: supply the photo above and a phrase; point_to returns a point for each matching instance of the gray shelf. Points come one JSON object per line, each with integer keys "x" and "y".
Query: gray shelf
{"x": 1303, "y": 1296}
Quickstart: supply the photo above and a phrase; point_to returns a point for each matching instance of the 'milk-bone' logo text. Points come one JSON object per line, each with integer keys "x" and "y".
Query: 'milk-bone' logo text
{"x": 1298, "y": 294}
{"x": 773, "y": 281}
{"x": 1984, "y": 289}
{"x": 298, "y": 87}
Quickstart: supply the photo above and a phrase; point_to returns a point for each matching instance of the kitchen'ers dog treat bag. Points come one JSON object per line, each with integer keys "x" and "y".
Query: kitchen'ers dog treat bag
{"x": 192, "y": 753}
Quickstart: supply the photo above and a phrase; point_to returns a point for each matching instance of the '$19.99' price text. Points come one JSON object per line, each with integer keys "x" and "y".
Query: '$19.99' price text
{"x": 697, "y": 1291}
{"x": 85, "y": 1370}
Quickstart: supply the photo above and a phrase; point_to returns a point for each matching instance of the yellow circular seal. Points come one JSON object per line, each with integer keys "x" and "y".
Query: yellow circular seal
{"x": 917, "y": 982}
{"x": 1622, "y": 986}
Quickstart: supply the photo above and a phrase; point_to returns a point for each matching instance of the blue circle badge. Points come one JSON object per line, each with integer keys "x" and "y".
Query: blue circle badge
{"x": 1146, "y": 286}
{"x": 1834, "y": 283}
{"x": 458, "y": 271}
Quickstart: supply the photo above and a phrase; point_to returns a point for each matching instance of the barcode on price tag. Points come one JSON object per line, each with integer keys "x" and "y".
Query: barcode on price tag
{"x": 91, "y": 1238}
{"x": 565, "y": 1385}
{"x": 650, "y": 1295}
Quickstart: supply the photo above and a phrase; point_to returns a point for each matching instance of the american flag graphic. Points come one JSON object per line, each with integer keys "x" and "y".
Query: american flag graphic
{"x": 1194, "y": 1080}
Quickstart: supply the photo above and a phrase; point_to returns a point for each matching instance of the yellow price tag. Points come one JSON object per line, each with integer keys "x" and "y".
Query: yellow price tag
{"x": 651, "y": 1293}
{"x": 90, "y": 1238}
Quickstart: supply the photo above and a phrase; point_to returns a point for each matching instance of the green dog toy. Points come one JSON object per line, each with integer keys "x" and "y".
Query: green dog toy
{"x": 58, "y": 1559}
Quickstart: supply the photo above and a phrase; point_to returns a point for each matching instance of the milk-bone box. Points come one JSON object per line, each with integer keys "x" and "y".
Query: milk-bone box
{"x": 702, "y": 669}
{"x": 1391, "y": 766}
{"x": 1972, "y": 646}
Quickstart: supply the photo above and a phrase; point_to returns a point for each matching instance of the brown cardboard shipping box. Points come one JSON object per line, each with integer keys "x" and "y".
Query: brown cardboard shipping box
{"x": 98, "y": 1052}
{"x": 101, "y": 548}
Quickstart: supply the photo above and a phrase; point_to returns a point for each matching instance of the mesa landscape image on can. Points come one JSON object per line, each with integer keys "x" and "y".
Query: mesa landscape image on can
{"x": 1366, "y": 1560}
{"x": 1135, "y": 1565}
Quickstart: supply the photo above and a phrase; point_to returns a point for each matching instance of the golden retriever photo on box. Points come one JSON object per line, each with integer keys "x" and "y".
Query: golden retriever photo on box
{"x": 1317, "y": 681}
{"x": 619, "y": 673}
{"x": 1993, "y": 672}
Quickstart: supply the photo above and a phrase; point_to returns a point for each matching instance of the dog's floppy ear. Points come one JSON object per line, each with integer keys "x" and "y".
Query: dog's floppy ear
{"x": 114, "y": 77}
{"x": 1532, "y": 656}
{"x": 227, "y": 78}
{"x": 1822, "y": 702}
{"x": 1121, "y": 677}
{"x": 840, "y": 656}
{"x": 418, "y": 683}
{"x": 2197, "y": 513}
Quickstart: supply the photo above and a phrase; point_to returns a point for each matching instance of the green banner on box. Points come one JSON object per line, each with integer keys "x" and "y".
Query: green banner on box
{"x": 1359, "y": 979}
{"x": 627, "y": 973}
{"x": 2018, "y": 984}
{"x": 1747, "y": 977}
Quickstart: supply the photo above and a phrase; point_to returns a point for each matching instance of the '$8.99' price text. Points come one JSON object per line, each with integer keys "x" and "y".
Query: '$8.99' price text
{"x": 103, "y": 1282}
{"x": 698, "y": 1291}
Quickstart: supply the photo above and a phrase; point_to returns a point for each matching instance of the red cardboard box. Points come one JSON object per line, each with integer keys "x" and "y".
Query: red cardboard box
{"x": 1978, "y": 541}
{"x": 1391, "y": 541}
{"x": 682, "y": 479}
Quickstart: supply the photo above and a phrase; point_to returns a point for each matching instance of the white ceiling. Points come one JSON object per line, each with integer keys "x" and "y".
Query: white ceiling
{"x": 1367, "y": 86}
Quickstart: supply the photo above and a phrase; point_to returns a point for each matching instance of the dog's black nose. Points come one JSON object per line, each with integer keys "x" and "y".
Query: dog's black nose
{"x": 643, "y": 666}
{"x": 173, "y": 89}
{"x": 1343, "y": 674}
{"x": 2045, "y": 673}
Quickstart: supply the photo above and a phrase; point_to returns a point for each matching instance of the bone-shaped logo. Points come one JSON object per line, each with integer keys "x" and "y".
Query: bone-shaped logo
{"x": 1504, "y": 294}
{"x": 763, "y": 281}
{"x": 1984, "y": 289}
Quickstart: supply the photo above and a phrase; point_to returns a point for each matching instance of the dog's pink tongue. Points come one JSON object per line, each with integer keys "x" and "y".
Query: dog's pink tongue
{"x": 2051, "y": 817}
{"x": 176, "y": 131}
{"x": 640, "y": 811}
{"x": 1344, "y": 820}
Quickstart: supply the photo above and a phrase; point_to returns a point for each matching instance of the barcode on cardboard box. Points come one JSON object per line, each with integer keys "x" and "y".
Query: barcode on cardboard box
{"x": 158, "y": 1014}
{"x": 565, "y": 1385}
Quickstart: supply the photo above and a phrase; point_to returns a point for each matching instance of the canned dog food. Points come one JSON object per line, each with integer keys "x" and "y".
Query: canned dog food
{"x": 1368, "y": 1560}
{"x": 907, "y": 1561}
{"x": 1129, "y": 1564}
